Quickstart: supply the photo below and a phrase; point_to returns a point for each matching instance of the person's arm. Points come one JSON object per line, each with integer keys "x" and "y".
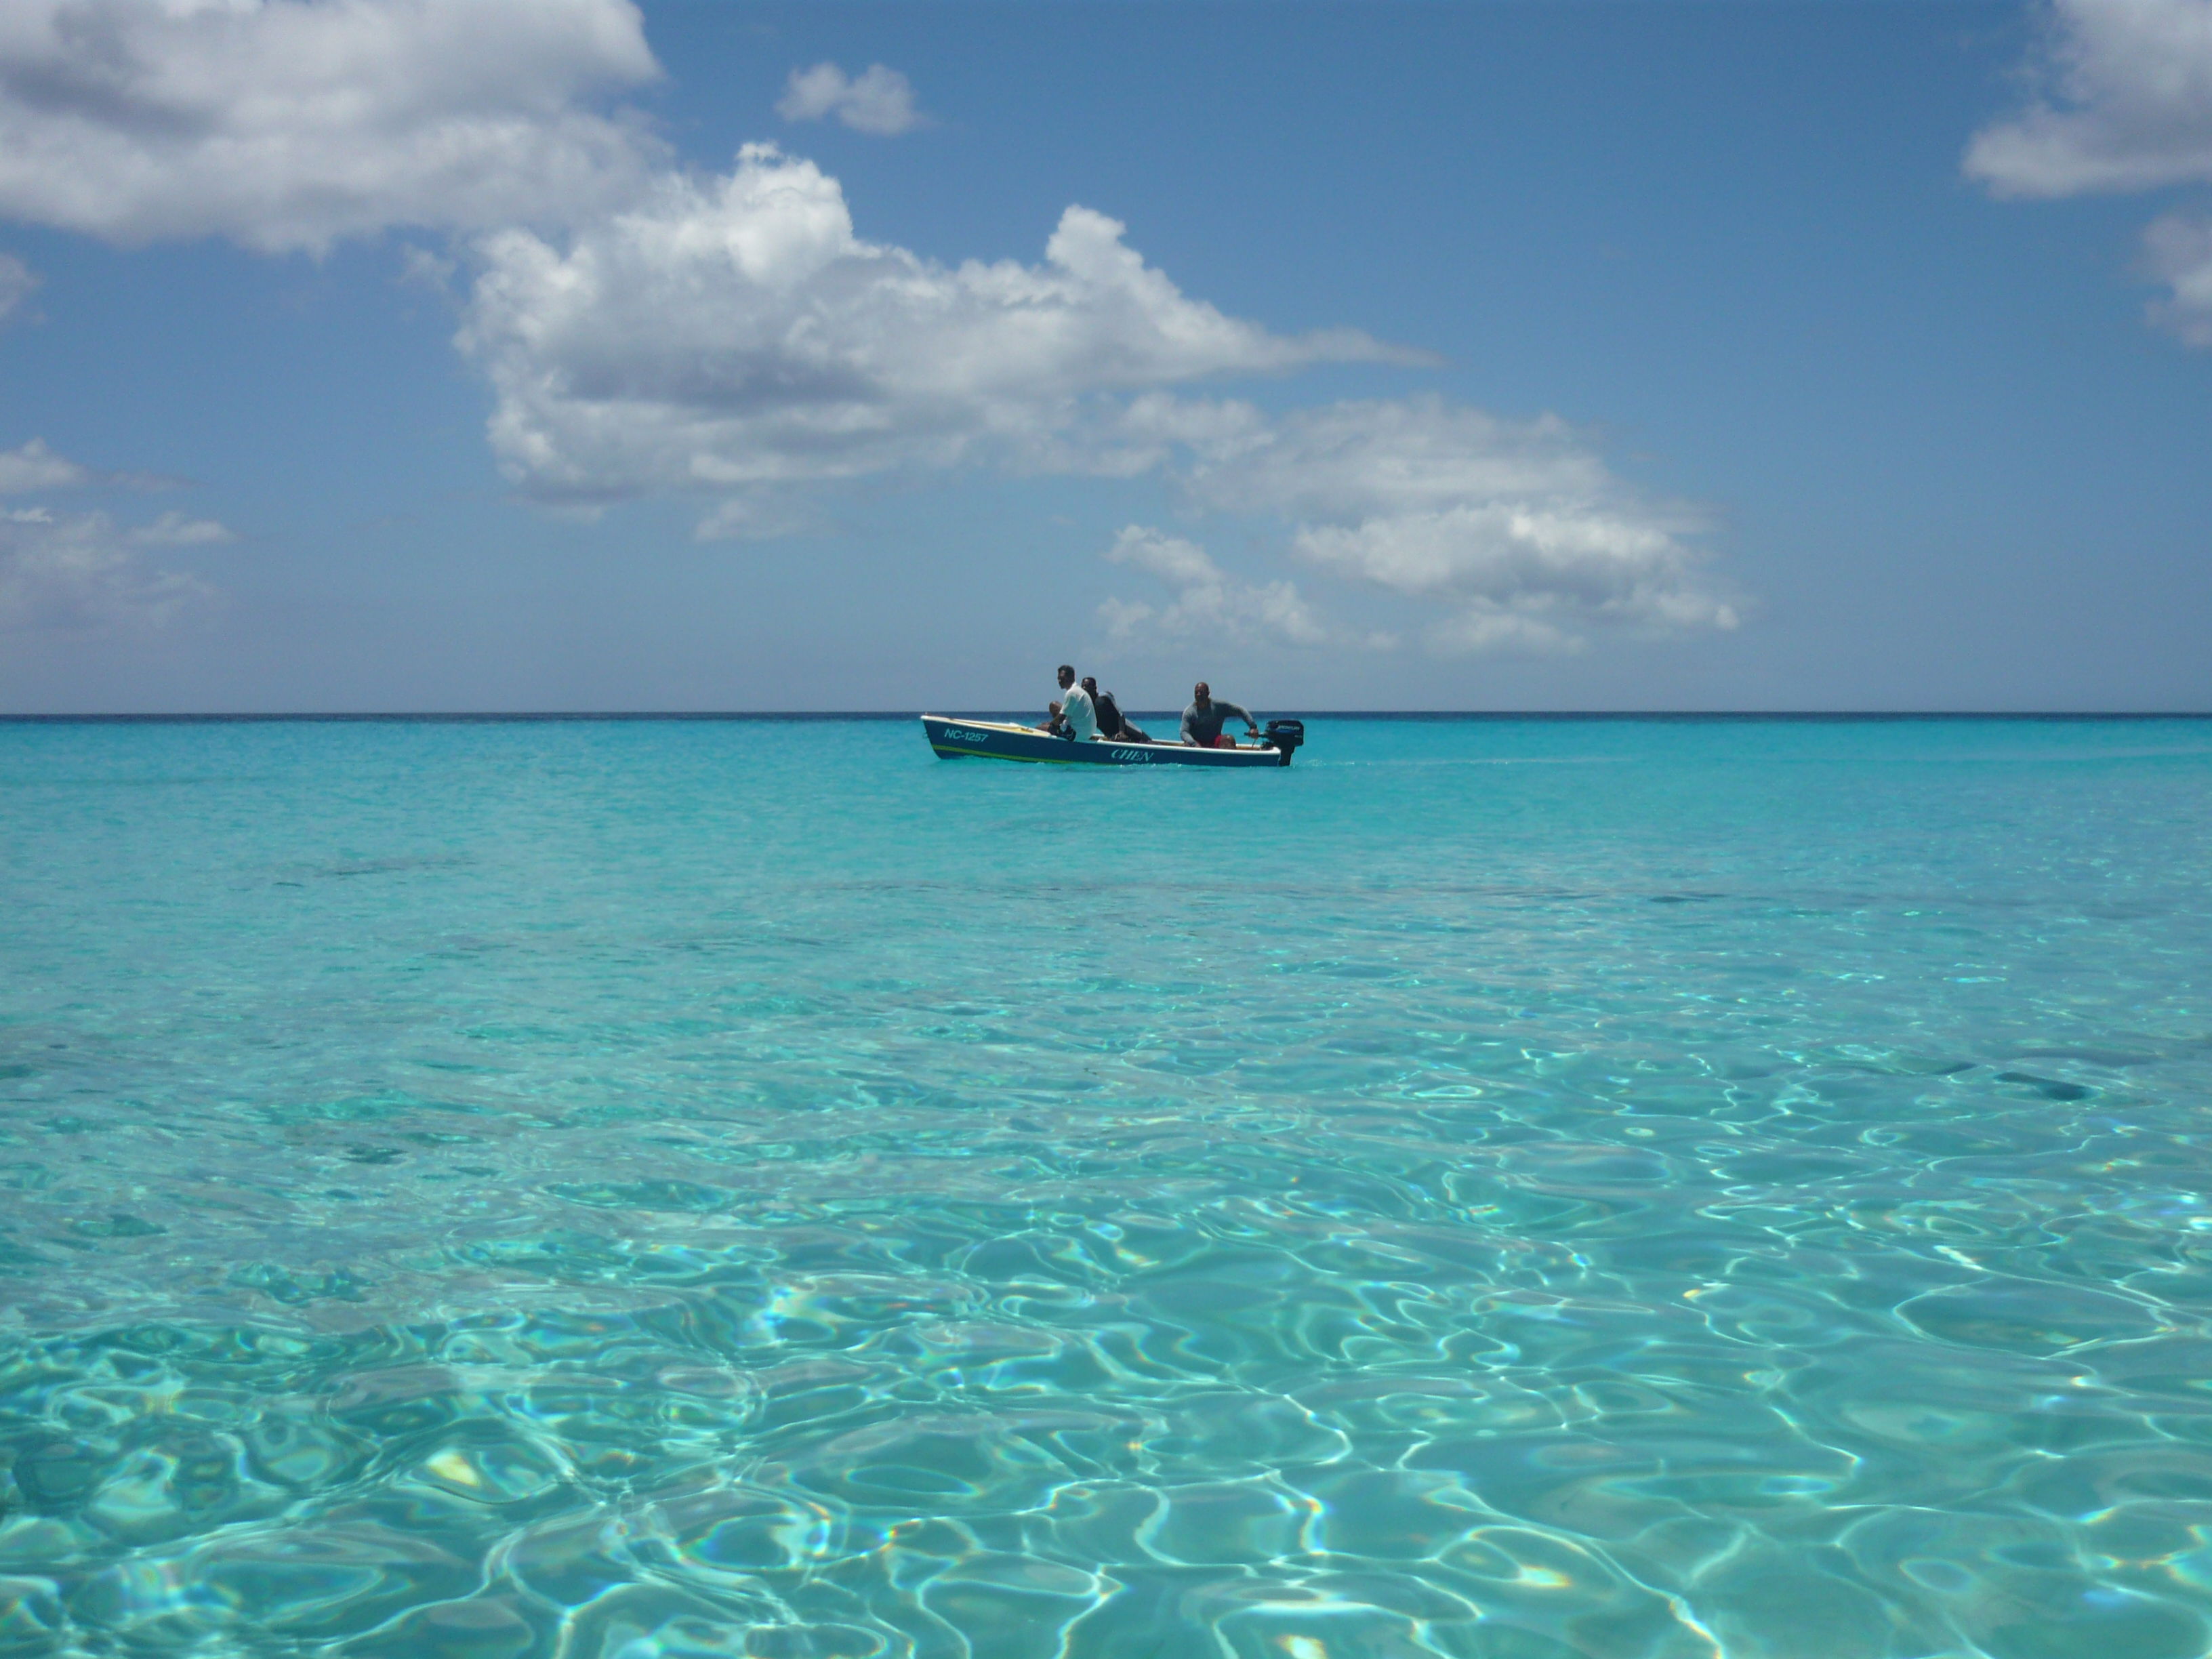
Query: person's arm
{"x": 1189, "y": 730}
{"x": 1242, "y": 713}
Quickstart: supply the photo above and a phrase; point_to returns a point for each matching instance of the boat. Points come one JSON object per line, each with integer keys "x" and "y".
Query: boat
{"x": 954, "y": 739}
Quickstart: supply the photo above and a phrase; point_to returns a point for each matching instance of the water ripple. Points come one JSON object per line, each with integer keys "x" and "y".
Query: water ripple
{"x": 1747, "y": 1198}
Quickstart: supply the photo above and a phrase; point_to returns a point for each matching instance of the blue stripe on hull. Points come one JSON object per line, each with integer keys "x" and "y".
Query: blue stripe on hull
{"x": 954, "y": 739}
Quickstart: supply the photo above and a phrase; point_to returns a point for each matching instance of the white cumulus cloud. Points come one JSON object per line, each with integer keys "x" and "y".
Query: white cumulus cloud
{"x": 78, "y": 573}
{"x": 289, "y": 123}
{"x": 650, "y": 329}
{"x": 2124, "y": 102}
{"x": 878, "y": 101}
{"x": 731, "y": 334}
{"x": 1208, "y": 602}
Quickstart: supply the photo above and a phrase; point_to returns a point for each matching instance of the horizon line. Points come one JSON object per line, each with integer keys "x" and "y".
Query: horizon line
{"x": 496, "y": 716}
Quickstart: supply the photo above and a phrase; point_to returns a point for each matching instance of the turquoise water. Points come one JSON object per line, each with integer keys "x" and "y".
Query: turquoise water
{"x": 1503, "y": 1189}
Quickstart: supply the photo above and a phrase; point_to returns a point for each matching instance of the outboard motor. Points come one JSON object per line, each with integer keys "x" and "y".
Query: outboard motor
{"x": 1286, "y": 735}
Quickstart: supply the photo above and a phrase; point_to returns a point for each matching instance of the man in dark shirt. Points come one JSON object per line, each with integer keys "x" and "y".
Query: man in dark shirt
{"x": 1202, "y": 720}
{"x": 1111, "y": 721}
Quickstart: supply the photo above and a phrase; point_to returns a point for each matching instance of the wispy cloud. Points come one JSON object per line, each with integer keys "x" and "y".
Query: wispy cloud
{"x": 71, "y": 574}
{"x": 34, "y": 466}
{"x": 878, "y": 101}
{"x": 2178, "y": 250}
{"x": 1517, "y": 530}
{"x": 1207, "y": 603}
{"x": 18, "y": 281}
{"x": 175, "y": 530}
{"x": 76, "y": 574}
{"x": 31, "y": 466}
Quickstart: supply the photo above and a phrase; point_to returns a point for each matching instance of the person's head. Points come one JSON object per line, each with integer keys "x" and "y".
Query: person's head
{"x": 1091, "y": 683}
{"x": 1201, "y": 694}
{"x": 1066, "y": 677}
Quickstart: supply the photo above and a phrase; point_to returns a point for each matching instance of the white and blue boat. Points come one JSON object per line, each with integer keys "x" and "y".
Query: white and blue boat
{"x": 953, "y": 740}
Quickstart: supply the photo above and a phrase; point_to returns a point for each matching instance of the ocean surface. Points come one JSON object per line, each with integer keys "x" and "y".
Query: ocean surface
{"x": 1509, "y": 1189}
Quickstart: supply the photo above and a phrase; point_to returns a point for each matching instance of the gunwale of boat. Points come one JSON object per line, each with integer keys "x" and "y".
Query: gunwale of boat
{"x": 1117, "y": 754}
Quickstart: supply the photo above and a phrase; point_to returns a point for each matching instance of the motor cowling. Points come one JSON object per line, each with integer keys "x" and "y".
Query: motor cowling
{"x": 1286, "y": 735}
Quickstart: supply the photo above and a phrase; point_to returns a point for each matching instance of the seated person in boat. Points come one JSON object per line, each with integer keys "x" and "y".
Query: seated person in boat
{"x": 1202, "y": 720}
{"x": 1070, "y": 715}
{"x": 1111, "y": 724}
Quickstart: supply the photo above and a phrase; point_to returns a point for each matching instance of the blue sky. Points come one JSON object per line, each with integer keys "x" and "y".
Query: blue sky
{"x": 446, "y": 354}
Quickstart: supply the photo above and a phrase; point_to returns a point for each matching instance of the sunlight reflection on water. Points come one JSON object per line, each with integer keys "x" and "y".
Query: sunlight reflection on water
{"x": 752, "y": 1188}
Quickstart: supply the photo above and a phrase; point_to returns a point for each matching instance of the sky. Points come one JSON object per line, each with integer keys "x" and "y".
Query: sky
{"x": 422, "y": 355}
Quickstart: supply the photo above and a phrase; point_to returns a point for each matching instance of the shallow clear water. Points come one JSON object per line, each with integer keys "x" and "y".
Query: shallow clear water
{"x": 1513, "y": 1190}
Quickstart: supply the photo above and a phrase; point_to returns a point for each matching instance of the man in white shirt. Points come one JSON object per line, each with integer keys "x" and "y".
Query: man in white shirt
{"x": 1073, "y": 714}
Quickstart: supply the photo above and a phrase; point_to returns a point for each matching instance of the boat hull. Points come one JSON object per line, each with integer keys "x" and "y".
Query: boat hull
{"x": 959, "y": 740}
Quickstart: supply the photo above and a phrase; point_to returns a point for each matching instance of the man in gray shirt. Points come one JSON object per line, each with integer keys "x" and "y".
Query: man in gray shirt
{"x": 1202, "y": 720}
